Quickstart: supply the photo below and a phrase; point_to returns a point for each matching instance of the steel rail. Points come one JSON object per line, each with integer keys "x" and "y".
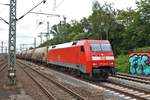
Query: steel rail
{"x": 141, "y": 96}
{"x": 132, "y": 79}
{"x": 79, "y": 97}
{"x": 3, "y": 67}
{"x": 131, "y": 87}
{"x": 134, "y": 76}
{"x": 125, "y": 91}
{"x": 49, "y": 95}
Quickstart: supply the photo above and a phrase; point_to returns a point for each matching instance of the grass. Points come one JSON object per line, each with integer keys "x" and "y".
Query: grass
{"x": 122, "y": 63}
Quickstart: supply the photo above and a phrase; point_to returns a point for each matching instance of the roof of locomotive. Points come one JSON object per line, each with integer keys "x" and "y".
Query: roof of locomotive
{"x": 76, "y": 43}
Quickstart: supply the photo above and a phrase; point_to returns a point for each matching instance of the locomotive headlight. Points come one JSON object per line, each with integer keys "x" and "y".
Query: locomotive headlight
{"x": 112, "y": 63}
{"x": 94, "y": 64}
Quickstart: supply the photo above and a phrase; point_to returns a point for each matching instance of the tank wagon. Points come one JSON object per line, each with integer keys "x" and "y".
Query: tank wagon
{"x": 92, "y": 58}
{"x": 23, "y": 54}
{"x": 40, "y": 55}
{"x": 29, "y": 54}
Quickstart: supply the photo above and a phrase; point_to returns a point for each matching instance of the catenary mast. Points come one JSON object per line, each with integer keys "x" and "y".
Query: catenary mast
{"x": 12, "y": 43}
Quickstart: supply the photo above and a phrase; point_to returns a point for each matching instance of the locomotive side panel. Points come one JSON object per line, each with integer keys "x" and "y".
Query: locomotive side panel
{"x": 71, "y": 57}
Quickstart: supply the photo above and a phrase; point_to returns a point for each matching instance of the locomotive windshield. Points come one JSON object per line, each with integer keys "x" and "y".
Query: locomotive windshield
{"x": 96, "y": 47}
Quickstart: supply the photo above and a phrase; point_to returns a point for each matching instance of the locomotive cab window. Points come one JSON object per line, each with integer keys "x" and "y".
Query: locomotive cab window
{"x": 97, "y": 47}
{"x": 81, "y": 48}
{"x": 106, "y": 47}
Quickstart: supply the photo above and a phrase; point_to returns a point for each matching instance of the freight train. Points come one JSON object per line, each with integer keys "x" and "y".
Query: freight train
{"x": 91, "y": 58}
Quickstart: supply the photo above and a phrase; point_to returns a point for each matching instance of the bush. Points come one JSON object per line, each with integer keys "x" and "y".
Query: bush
{"x": 143, "y": 49}
{"x": 122, "y": 63}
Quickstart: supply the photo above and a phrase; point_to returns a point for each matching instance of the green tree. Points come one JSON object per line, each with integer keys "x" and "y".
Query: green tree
{"x": 102, "y": 20}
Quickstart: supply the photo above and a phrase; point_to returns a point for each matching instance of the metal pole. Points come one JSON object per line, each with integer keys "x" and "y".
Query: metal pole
{"x": 47, "y": 36}
{"x": 12, "y": 44}
{"x": 2, "y": 47}
{"x": 34, "y": 42}
{"x": 20, "y": 47}
{"x": 64, "y": 19}
{"x": 23, "y": 47}
{"x": 41, "y": 39}
{"x": 6, "y": 49}
{"x": 40, "y": 36}
{"x": 12, "y": 40}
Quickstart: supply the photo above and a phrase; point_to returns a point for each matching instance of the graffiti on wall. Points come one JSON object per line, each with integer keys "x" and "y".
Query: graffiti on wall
{"x": 139, "y": 63}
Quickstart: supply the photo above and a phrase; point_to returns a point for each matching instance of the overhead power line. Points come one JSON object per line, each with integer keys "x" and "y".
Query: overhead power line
{"x": 4, "y": 20}
{"x": 56, "y": 6}
{"x": 46, "y": 14}
{"x": 59, "y": 4}
{"x": 44, "y": 1}
{"x": 5, "y": 4}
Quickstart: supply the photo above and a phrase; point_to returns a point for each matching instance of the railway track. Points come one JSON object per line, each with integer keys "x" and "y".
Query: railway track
{"x": 127, "y": 91}
{"x": 140, "y": 79}
{"x": 3, "y": 66}
{"x": 43, "y": 81}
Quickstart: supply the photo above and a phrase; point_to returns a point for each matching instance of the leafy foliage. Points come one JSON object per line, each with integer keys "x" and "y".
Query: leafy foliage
{"x": 143, "y": 49}
{"x": 126, "y": 29}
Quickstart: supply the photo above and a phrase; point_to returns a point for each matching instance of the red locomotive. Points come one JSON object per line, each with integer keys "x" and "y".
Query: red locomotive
{"x": 92, "y": 58}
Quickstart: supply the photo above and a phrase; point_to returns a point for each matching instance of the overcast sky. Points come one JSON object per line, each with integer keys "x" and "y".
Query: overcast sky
{"x": 28, "y": 27}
